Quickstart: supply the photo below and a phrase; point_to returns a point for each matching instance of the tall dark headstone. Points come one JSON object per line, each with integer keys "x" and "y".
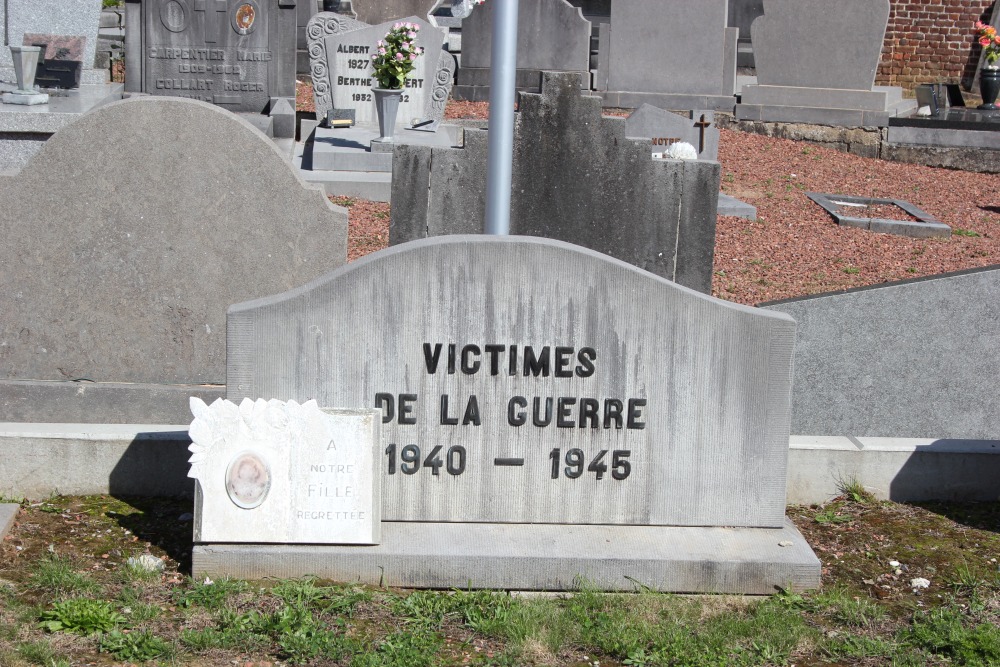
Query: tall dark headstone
{"x": 577, "y": 178}
{"x": 237, "y": 54}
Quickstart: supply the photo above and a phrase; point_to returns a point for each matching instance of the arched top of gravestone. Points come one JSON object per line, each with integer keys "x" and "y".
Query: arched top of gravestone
{"x": 803, "y": 43}
{"x": 380, "y": 11}
{"x": 509, "y": 321}
{"x": 134, "y": 228}
{"x": 551, "y": 35}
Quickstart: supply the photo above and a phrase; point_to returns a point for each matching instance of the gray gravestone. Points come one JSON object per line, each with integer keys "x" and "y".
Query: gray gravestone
{"x": 552, "y": 35}
{"x": 585, "y": 391}
{"x": 340, "y": 52}
{"x": 675, "y": 55}
{"x": 818, "y": 66}
{"x": 575, "y": 177}
{"x": 80, "y": 18}
{"x": 803, "y": 43}
{"x": 917, "y": 358}
{"x": 664, "y": 128}
{"x": 380, "y": 11}
{"x": 238, "y": 54}
{"x": 123, "y": 273}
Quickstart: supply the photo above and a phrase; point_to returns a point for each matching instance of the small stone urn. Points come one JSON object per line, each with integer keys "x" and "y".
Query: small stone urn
{"x": 25, "y": 63}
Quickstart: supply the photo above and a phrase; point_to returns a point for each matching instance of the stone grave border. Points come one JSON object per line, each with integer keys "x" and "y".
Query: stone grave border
{"x": 927, "y": 226}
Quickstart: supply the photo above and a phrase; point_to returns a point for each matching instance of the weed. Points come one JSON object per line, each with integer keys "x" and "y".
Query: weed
{"x": 958, "y": 231}
{"x": 209, "y": 595}
{"x": 730, "y": 177}
{"x": 41, "y": 653}
{"x": 830, "y": 515}
{"x": 301, "y": 592}
{"x": 139, "y": 646}
{"x": 402, "y": 649}
{"x": 943, "y": 632}
{"x": 910, "y": 269}
{"x": 855, "y": 491}
{"x": 967, "y": 580}
{"x": 55, "y": 575}
{"x": 81, "y": 616}
{"x": 422, "y": 608}
{"x": 850, "y": 610}
{"x": 852, "y": 270}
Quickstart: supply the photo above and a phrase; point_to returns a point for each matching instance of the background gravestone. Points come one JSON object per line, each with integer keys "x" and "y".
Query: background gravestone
{"x": 80, "y": 18}
{"x": 804, "y": 43}
{"x": 380, "y": 11}
{"x": 929, "y": 372}
{"x": 818, "y": 66}
{"x": 133, "y": 286}
{"x": 675, "y": 55}
{"x": 340, "y": 52}
{"x": 552, "y": 35}
{"x": 238, "y": 54}
{"x": 664, "y": 128}
{"x": 665, "y": 409}
{"x": 575, "y": 178}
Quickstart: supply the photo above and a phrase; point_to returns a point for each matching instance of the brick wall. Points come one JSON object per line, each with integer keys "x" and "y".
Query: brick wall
{"x": 930, "y": 41}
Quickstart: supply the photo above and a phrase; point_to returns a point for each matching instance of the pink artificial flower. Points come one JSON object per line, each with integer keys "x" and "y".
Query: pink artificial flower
{"x": 980, "y": 25}
{"x": 399, "y": 56}
{"x": 996, "y": 39}
{"x": 404, "y": 45}
{"x": 381, "y": 43}
{"x": 985, "y": 41}
{"x": 411, "y": 35}
{"x": 381, "y": 52}
{"x": 397, "y": 26}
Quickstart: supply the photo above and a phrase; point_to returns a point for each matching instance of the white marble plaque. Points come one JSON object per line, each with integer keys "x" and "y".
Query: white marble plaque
{"x": 280, "y": 472}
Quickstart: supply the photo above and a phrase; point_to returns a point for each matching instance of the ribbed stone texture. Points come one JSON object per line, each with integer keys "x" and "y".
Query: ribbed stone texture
{"x": 702, "y": 385}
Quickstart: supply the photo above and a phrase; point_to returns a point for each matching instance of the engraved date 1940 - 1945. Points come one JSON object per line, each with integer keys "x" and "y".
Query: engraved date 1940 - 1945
{"x": 408, "y": 460}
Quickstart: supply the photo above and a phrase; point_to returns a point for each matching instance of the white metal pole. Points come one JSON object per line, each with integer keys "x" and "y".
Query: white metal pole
{"x": 503, "y": 63}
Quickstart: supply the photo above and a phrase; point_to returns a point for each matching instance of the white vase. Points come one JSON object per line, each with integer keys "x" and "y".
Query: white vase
{"x": 387, "y": 107}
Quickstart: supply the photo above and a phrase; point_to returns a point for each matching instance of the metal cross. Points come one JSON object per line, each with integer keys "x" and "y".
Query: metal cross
{"x": 211, "y": 17}
{"x": 701, "y": 125}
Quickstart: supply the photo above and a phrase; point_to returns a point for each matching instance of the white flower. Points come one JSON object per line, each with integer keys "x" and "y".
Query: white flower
{"x": 681, "y": 151}
{"x": 919, "y": 582}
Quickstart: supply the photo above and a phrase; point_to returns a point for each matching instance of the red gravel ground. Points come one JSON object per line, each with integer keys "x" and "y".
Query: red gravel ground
{"x": 795, "y": 248}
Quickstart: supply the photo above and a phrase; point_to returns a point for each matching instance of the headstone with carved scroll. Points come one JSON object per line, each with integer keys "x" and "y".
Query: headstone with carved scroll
{"x": 340, "y": 51}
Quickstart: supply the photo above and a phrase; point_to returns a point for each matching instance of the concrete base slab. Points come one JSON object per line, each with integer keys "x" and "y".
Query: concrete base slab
{"x": 352, "y": 162}
{"x": 675, "y": 101}
{"x": 835, "y": 110}
{"x": 100, "y": 402}
{"x": 535, "y": 557}
{"x": 8, "y": 512}
{"x": 26, "y": 99}
{"x": 733, "y": 206}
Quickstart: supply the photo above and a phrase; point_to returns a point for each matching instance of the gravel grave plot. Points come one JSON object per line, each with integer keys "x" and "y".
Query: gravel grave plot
{"x": 795, "y": 248}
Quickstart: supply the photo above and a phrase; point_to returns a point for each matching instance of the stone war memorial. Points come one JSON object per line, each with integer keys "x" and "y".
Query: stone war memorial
{"x": 548, "y": 415}
{"x": 237, "y": 54}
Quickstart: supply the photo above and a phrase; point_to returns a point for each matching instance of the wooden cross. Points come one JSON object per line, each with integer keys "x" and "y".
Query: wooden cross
{"x": 211, "y": 16}
{"x": 701, "y": 125}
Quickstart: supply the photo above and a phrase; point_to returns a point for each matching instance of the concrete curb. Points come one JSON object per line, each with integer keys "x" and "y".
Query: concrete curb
{"x": 8, "y": 512}
{"x": 151, "y": 460}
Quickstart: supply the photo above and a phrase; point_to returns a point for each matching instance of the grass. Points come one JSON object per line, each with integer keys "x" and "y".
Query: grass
{"x": 84, "y": 604}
